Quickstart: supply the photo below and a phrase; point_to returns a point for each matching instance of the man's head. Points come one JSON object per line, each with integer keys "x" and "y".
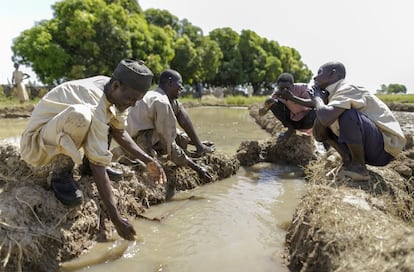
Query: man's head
{"x": 171, "y": 82}
{"x": 329, "y": 73}
{"x": 285, "y": 81}
{"x": 129, "y": 83}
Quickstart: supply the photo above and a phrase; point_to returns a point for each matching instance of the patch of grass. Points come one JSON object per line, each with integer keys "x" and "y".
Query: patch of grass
{"x": 210, "y": 100}
{"x": 397, "y": 98}
{"x": 13, "y": 102}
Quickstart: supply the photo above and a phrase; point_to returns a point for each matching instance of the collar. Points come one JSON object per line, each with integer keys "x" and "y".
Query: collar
{"x": 334, "y": 86}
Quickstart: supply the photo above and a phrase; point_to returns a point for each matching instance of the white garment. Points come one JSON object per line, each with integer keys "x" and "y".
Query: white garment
{"x": 59, "y": 123}
{"x": 346, "y": 96}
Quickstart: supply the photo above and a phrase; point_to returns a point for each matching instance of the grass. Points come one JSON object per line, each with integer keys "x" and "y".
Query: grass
{"x": 210, "y": 100}
{"x": 397, "y": 98}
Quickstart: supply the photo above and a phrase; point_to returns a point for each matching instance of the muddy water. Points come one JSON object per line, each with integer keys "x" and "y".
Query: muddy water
{"x": 231, "y": 225}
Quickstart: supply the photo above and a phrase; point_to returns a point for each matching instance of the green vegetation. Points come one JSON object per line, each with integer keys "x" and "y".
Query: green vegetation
{"x": 89, "y": 37}
{"x": 210, "y": 100}
{"x": 392, "y": 89}
{"x": 397, "y": 98}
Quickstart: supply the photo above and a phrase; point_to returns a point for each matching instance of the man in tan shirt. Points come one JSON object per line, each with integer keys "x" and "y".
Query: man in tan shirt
{"x": 355, "y": 122}
{"x": 152, "y": 123}
{"x": 81, "y": 113}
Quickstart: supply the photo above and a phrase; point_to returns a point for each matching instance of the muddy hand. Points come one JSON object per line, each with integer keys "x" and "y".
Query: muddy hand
{"x": 156, "y": 172}
{"x": 204, "y": 175}
{"x": 125, "y": 229}
{"x": 204, "y": 149}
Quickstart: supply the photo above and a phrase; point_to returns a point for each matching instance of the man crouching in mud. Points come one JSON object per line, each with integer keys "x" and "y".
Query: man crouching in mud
{"x": 152, "y": 124}
{"x": 81, "y": 113}
{"x": 355, "y": 122}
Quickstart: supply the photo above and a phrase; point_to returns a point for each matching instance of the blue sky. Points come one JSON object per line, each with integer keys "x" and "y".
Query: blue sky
{"x": 372, "y": 38}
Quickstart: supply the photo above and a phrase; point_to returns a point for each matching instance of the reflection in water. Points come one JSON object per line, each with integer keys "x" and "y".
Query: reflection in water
{"x": 11, "y": 129}
{"x": 232, "y": 225}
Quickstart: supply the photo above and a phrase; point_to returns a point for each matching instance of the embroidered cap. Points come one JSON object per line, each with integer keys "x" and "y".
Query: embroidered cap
{"x": 134, "y": 74}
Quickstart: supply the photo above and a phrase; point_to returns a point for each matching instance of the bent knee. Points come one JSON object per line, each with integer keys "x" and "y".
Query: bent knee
{"x": 79, "y": 116}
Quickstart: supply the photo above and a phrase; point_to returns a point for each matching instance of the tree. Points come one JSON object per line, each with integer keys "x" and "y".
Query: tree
{"x": 396, "y": 89}
{"x": 230, "y": 70}
{"x": 254, "y": 58}
{"x": 185, "y": 60}
{"x": 162, "y": 18}
{"x": 210, "y": 55}
{"x": 383, "y": 89}
{"x": 87, "y": 37}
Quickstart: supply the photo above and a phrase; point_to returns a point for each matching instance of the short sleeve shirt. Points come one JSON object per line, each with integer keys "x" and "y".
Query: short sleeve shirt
{"x": 155, "y": 111}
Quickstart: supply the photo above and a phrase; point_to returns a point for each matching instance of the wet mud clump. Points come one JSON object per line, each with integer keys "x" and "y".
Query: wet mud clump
{"x": 37, "y": 232}
{"x": 297, "y": 149}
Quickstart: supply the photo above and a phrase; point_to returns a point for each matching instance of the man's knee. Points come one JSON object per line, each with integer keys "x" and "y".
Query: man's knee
{"x": 79, "y": 115}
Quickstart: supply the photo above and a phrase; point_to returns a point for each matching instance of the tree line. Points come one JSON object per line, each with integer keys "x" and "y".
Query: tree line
{"x": 89, "y": 37}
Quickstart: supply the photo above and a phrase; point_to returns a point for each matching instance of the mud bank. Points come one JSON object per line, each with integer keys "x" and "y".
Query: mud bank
{"x": 37, "y": 232}
{"x": 341, "y": 225}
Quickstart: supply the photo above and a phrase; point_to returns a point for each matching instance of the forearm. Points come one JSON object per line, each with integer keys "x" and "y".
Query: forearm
{"x": 126, "y": 142}
{"x": 303, "y": 101}
{"x": 185, "y": 122}
{"x": 105, "y": 191}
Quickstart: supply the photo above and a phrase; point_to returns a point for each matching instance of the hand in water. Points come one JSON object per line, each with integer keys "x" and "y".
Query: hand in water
{"x": 125, "y": 229}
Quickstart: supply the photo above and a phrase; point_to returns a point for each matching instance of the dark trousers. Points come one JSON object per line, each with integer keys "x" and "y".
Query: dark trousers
{"x": 356, "y": 128}
{"x": 283, "y": 114}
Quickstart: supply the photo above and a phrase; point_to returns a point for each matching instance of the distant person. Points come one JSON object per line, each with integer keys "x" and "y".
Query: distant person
{"x": 199, "y": 89}
{"x": 152, "y": 124}
{"x": 81, "y": 113}
{"x": 17, "y": 81}
{"x": 355, "y": 122}
{"x": 291, "y": 105}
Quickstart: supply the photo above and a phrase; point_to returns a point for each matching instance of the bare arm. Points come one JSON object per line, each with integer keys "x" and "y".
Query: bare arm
{"x": 125, "y": 141}
{"x": 326, "y": 114}
{"x": 185, "y": 122}
{"x": 123, "y": 227}
{"x": 288, "y": 95}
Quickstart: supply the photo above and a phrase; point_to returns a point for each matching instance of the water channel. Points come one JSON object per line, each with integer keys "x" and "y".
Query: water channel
{"x": 236, "y": 224}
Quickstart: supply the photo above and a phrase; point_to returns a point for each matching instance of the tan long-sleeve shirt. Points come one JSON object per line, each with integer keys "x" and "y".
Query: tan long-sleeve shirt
{"x": 88, "y": 92}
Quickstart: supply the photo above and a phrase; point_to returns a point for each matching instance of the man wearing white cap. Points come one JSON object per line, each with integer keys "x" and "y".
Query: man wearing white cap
{"x": 81, "y": 113}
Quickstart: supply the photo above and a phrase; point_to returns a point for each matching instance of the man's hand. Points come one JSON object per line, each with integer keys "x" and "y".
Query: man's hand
{"x": 284, "y": 93}
{"x": 267, "y": 105}
{"x": 125, "y": 229}
{"x": 204, "y": 148}
{"x": 315, "y": 91}
{"x": 204, "y": 174}
{"x": 156, "y": 172}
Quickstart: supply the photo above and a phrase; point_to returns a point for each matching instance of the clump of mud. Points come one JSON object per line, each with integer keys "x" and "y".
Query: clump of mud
{"x": 37, "y": 232}
{"x": 297, "y": 149}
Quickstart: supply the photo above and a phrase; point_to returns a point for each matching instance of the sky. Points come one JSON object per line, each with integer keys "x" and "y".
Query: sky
{"x": 372, "y": 38}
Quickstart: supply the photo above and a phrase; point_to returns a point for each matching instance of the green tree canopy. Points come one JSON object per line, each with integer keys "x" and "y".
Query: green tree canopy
{"x": 89, "y": 37}
{"x": 396, "y": 89}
